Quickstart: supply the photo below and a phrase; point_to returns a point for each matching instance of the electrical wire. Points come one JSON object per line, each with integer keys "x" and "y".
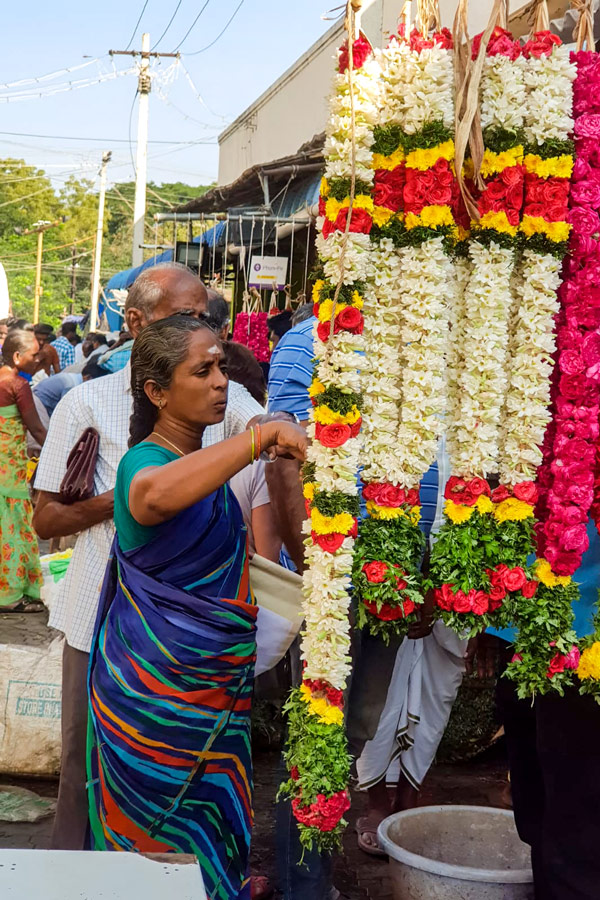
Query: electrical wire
{"x": 133, "y": 165}
{"x": 221, "y": 33}
{"x": 40, "y": 78}
{"x": 192, "y": 26}
{"x": 103, "y": 140}
{"x": 133, "y": 33}
{"x": 171, "y": 20}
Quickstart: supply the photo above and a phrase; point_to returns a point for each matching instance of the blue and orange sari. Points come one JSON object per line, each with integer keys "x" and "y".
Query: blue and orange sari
{"x": 170, "y": 686}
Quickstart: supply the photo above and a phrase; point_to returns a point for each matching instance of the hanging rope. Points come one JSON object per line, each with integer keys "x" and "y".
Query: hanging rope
{"x": 405, "y": 16}
{"x": 583, "y": 33}
{"x": 539, "y": 18}
{"x": 428, "y": 15}
{"x": 224, "y": 256}
{"x": 467, "y": 123}
{"x": 304, "y": 286}
{"x": 293, "y": 239}
{"x": 214, "y": 253}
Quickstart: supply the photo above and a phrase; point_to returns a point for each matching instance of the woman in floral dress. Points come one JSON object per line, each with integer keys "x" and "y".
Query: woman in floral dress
{"x": 20, "y": 572}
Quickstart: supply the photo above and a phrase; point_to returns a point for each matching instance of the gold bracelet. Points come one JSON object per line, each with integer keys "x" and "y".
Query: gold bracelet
{"x": 252, "y": 447}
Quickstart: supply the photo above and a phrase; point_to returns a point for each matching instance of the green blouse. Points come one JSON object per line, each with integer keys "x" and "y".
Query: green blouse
{"x": 142, "y": 456}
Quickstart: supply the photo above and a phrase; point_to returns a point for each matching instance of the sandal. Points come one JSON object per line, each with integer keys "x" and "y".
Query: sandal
{"x": 368, "y": 825}
{"x": 260, "y": 887}
{"x": 25, "y": 605}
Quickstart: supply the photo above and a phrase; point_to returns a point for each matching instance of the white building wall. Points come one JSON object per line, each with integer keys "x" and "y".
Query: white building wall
{"x": 294, "y": 108}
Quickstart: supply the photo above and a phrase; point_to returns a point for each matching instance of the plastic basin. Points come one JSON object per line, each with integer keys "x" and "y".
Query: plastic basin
{"x": 456, "y": 853}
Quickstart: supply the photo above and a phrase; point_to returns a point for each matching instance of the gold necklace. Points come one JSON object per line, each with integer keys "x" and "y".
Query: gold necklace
{"x": 166, "y": 439}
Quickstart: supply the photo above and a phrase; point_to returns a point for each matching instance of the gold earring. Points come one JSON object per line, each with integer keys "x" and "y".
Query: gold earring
{"x": 160, "y": 404}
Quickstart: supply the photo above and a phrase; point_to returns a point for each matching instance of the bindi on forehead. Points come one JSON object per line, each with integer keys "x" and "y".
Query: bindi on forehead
{"x": 215, "y": 350}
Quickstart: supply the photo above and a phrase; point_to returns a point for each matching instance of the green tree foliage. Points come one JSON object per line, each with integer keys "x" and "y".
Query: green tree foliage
{"x": 27, "y": 197}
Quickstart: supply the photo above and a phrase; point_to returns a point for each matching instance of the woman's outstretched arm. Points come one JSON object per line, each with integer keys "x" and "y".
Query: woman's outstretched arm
{"x": 158, "y": 493}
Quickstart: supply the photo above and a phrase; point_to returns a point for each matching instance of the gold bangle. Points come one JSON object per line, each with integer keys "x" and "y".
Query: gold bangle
{"x": 252, "y": 446}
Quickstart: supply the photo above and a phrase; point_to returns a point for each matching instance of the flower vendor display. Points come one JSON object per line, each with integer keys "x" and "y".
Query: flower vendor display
{"x": 406, "y": 323}
{"x": 479, "y": 561}
{"x": 251, "y": 329}
{"x": 317, "y": 754}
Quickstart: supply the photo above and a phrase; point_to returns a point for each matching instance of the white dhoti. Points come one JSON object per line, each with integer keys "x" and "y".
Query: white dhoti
{"x": 424, "y": 684}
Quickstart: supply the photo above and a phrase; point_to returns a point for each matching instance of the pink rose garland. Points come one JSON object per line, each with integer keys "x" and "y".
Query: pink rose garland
{"x": 252, "y": 331}
{"x": 566, "y": 478}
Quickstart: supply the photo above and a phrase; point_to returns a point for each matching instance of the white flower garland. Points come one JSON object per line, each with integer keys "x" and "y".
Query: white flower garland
{"x": 455, "y": 361}
{"x": 325, "y": 640}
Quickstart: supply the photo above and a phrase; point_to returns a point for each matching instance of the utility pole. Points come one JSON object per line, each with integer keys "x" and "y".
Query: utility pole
{"x": 73, "y": 278}
{"x": 98, "y": 245}
{"x": 144, "y": 87}
{"x": 39, "y": 228}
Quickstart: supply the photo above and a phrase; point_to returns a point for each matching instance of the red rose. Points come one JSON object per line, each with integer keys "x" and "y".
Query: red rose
{"x": 480, "y": 603}
{"x": 496, "y": 596}
{"x": 361, "y": 221}
{"x": 557, "y": 665}
{"x": 330, "y": 543}
{"x": 333, "y": 435}
{"x": 412, "y": 497}
{"x": 541, "y": 44}
{"x": 462, "y": 601}
{"x": 361, "y": 50}
{"x": 500, "y": 493}
{"x": 355, "y": 428}
{"x": 526, "y": 491}
{"x": 501, "y": 43}
{"x": 375, "y": 571}
{"x": 370, "y": 491}
{"x": 390, "y": 495}
{"x": 478, "y": 487}
{"x": 444, "y": 599}
{"x": 351, "y": 319}
{"x": 324, "y": 330}
{"x": 514, "y": 579}
{"x": 458, "y": 491}
{"x": 316, "y": 309}
{"x": 529, "y": 588}
{"x": 387, "y": 612}
{"x": 322, "y": 203}
{"x": 389, "y": 187}
{"x": 408, "y": 607}
{"x": 496, "y": 576}
{"x": 328, "y": 229}
{"x": 353, "y": 533}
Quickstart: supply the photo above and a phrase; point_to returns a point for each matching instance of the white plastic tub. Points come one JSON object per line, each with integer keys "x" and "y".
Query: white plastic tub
{"x": 456, "y": 853}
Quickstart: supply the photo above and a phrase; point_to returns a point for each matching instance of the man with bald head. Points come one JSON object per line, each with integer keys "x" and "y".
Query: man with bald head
{"x": 104, "y": 404}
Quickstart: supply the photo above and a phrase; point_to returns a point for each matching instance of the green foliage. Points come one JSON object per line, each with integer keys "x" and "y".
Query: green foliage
{"x": 339, "y": 188}
{"x": 549, "y": 149}
{"x": 332, "y": 503}
{"x": 345, "y": 293}
{"x": 338, "y": 400}
{"x": 488, "y": 236}
{"x": 27, "y": 197}
{"x": 498, "y": 140}
{"x": 401, "y": 236}
{"x": 542, "y": 244}
{"x": 388, "y": 138}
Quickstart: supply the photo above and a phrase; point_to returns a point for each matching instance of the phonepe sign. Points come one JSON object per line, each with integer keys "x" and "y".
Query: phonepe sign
{"x": 266, "y": 272}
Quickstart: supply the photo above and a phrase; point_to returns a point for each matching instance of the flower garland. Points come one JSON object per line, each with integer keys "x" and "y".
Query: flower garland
{"x": 414, "y": 192}
{"x": 252, "y": 331}
{"x": 317, "y": 753}
{"x": 486, "y": 534}
{"x": 545, "y": 646}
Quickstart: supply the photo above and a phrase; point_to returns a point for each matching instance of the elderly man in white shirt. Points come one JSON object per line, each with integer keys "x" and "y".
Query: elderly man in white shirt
{"x": 104, "y": 404}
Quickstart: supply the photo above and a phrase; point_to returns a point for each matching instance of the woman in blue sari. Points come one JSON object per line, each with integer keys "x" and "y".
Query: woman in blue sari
{"x": 172, "y": 666}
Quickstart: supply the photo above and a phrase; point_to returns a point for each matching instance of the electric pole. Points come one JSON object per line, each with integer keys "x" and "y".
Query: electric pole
{"x": 98, "y": 245}
{"x": 144, "y": 87}
{"x": 39, "y": 228}
{"x": 73, "y": 278}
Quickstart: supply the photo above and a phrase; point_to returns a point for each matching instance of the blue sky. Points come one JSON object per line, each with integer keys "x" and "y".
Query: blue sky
{"x": 265, "y": 38}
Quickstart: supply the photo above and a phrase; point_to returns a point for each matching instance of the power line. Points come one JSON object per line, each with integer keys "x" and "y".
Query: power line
{"x": 133, "y": 33}
{"x": 171, "y": 20}
{"x": 40, "y": 78}
{"x": 104, "y": 140}
{"x": 192, "y": 26}
{"x": 221, "y": 33}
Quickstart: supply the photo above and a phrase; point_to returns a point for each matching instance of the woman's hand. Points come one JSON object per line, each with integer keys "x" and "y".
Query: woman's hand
{"x": 284, "y": 439}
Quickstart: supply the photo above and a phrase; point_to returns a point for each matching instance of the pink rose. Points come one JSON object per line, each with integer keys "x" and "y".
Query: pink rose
{"x": 586, "y": 193}
{"x": 557, "y": 665}
{"x": 588, "y": 126}
{"x": 517, "y": 658}
{"x": 570, "y": 362}
{"x": 585, "y": 221}
{"x": 572, "y": 658}
{"x": 581, "y": 171}
{"x": 575, "y": 539}
{"x": 591, "y": 349}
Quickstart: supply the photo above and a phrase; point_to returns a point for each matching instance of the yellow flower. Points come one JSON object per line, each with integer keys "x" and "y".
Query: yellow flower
{"x": 556, "y": 166}
{"x": 382, "y": 215}
{"x": 340, "y": 524}
{"x": 513, "y": 510}
{"x": 393, "y": 512}
{"x": 361, "y": 201}
{"x": 430, "y": 217}
{"x": 390, "y": 162}
{"x": 309, "y": 491}
{"x": 326, "y": 416}
{"x": 425, "y": 159}
{"x": 357, "y": 300}
{"x": 458, "y": 513}
{"x": 498, "y": 221}
{"x": 468, "y": 168}
{"x": 544, "y": 573}
{"x": 317, "y": 288}
{"x": 589, "y": 664}
{"x": 461, "y": 233}
{"x": 497, "y": 162}
{"x": 324, "y": 187}
{"x": 317, "y": 387}
{"x": 333, "y": 207}
{"x": 484, "y": 504}
{"x": 555, "y": 231}
{"x": 325, "y": 310}
{"x": 318, "y": 706}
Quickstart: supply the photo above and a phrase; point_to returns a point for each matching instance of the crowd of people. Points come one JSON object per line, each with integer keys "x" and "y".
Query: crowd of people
{"x": 198, "y": 468}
